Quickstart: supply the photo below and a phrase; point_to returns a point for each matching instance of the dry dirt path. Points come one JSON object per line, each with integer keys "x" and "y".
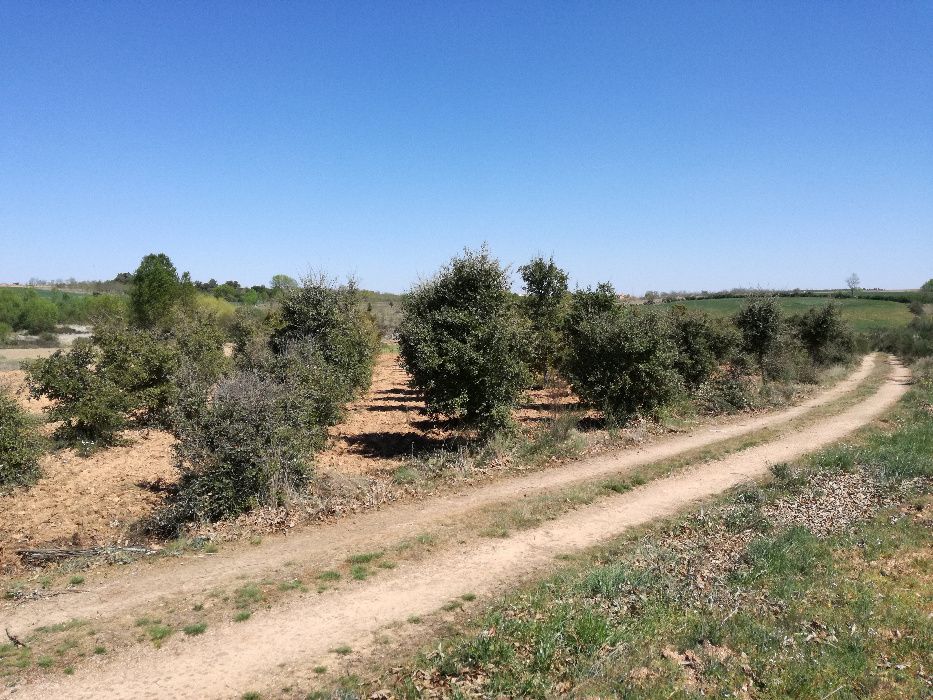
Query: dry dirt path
{"x": 328, "y": 544}
{"x": 289, "y": 640}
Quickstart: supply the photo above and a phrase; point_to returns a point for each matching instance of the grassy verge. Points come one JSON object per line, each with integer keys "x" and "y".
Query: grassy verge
{"x": 817, "y": 584}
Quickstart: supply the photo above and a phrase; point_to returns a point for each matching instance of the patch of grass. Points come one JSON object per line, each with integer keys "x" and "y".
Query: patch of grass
{"x": 468, "y": 597}
{"x": 68, "y": 670}
{"x": 100, "y": 651}
{"x": 242, "y": 616}
{"x": 45, "y": 662}
{"x": 194, "y": 629}
{"x": 405, "y": 475}
{"x": 359, "y": 572}
{"x": 452, "y": 605}
{"x": 386, "y": 564}
{"x": 342, "y": 650}
{"x": 251, "y": 695}
{"x": 329, "y": 576}
{"x": 320, "y": 669}
{"x": 159, "y": 633}
{"x": 76, "y": 580}
{"x": 197, "y": 607}
{"x": 415, "y": 620}
{"x": 366, "y": 558}
{"x": 247, "y": 595}
{"x": 292, "y": 585}
{"x": 62, "y": 626}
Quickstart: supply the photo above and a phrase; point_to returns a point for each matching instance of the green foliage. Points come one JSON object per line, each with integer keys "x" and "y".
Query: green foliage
{"x": 244, "y": 448}
{"x": 91, "y": 408}
{"x": 462, "y": 344}
{"x": 156, "y": 289}
{"x": 126, "y": 372}
{"x": 927, "y": 286}
{"x": 621, "y": 360}
{"x": 283, "y": 282}
{"x": 544, "y": 304}
{"x": 20, "y": 445}
{"x": 760, "y": 322}
{"x": 825, "y": 335}
{"x": 910, "y": 343}
{"x": 703, "y": 344}
{"x": 330, "y": 318}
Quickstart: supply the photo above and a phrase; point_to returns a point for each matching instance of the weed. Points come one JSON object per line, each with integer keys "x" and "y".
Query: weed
{"x": 246, "y": 595}
{"x": 468, "y": 597}
{"x": 291, "y": 585}
{"x": 45, "y": 662}
{"x": 159, "y": 633}
{"x": 242, "y": 616}
{"x": 414, "y": 620}
{"x": 320, "y": 669}
{"x": 386, "y": 564}
{"x": 451, "y": 606}
{"x": 342, "y": 650}
{"x": 329, "y": 576}
{"x": 198, "y": 607}
{"x": 405, "y": 475}
{"x": 100, "y": 651}
{"x": 195, "y": 629}
{"x": 359, "y": 572}
{"x": 76, "y": 580}
{"x": 364, "y": 558}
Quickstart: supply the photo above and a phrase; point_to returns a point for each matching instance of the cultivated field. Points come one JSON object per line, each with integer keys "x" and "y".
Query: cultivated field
{"x": 864, "y": 314}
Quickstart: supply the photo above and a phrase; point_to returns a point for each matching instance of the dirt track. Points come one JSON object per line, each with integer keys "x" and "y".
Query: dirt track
{"x": 230, "y": 659}
{"x": 327, "y": 544}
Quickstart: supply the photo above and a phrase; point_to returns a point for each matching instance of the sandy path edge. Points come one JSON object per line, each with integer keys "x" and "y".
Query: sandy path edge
{"x": 226, "y": 660}
{"x": 328, "y": 544}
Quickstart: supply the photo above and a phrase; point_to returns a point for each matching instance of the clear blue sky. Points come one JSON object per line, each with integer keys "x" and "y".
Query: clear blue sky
{"x": 658, "y": 145}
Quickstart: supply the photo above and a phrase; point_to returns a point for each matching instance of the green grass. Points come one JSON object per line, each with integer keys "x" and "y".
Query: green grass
{"x": 734, "y": 596}
{"x": 364, "y": 558}
{"x": 329, "y": 576}
{"x": 195, "y": 629}
{"x": 863, "y": 314}
{"x": 76, "y": 580}
{"x": 242, "y": 616}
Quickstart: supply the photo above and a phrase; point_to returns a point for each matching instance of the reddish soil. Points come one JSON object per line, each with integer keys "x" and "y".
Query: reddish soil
{"x": 93, "y": 500}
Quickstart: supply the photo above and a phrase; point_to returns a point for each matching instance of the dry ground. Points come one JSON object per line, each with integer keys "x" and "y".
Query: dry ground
{"x": 94, "y": 500}
{"x": 284, "y": 643}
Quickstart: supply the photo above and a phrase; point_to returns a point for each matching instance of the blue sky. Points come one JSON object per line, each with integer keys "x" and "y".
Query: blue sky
{"x": 658, "y": 145}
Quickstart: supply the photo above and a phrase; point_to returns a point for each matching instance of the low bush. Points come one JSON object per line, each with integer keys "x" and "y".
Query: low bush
{"x": 825, "y": 335}
{"x": 243, "y": 449}
{"x": 621, "y": 360}
{"x": 761, "y": 323}
{"x": 463, "y": 344}
{"x": 91, "y": 408}
{"x": 703, "y": 344}
{"x": 20, "y": 445}
{"x": 126, "y": 374}
{"x": 251, "y": 440}
{"x": 330, "y": 317}
{"x": 909, "y": 343}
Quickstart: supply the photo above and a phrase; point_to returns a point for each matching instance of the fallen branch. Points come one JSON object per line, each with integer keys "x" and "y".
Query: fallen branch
{"x": 13, "y": 639}
{"x": 37, "y": 557}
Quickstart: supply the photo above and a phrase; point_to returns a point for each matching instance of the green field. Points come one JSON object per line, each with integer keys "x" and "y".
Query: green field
{"x": 863, "y": 314}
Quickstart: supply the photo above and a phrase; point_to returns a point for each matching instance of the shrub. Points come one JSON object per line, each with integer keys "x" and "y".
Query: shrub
{"x": 90, "y": 407}
{"x": 20, "y": 445}
{"x": 251, "y": 442}
{"x": 702, "y": 343}
{"x": 6, "y": 331}
{"x": 910, "y": 342}
{"x": 825, "y": 335}
{"x": 621, "y": 360}
{"x": 544, "y": 305}
{"x": 39, "y": 316}
{"x": 760, "y": 323}
{"x": 329, "y": 316}
{"x": 462, "y": 343}
{"x": 127, "y": 373}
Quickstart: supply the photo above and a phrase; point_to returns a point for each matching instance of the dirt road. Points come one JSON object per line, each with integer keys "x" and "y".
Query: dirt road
{"x": 289, "y": 640}
{"x": 323, "y": 546}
